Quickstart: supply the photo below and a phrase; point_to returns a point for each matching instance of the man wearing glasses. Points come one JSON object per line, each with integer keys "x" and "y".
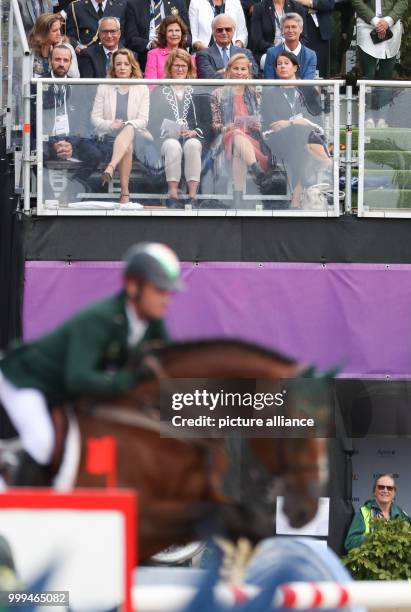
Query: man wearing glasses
{"x": 83, "y": 17}
{"x": 211, "y": 62}
{"x": 94, "y": 62}
{"x": 382, "y": 506}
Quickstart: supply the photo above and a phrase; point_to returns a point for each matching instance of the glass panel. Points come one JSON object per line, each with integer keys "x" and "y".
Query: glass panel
{"x": 16, "y": 101}
{"x": 192, "y": 147}
{"x": 4, "y": 28}
{"x": 387, "y": 148}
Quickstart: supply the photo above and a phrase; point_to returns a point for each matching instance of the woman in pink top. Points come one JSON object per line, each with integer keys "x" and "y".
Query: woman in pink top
{"x": 172, "y": 34}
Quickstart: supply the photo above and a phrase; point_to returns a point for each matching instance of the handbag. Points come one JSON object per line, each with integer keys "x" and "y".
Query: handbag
{"x": 274, "y": 181}
{"x": 375, "y": 38}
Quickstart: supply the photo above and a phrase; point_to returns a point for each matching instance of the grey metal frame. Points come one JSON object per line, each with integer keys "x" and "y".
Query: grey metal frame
{"x": 362, "y": 211}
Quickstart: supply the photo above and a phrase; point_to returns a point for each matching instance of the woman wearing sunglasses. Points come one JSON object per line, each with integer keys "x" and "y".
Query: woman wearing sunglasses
{"x": 382, "y": 506}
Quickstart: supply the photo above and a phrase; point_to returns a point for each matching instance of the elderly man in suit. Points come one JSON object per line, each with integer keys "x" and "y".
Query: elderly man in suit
{"x": 143, "y": 18}
{"x": 31, "y": 9}
{"x": 83, "y": 17}
{"x": 212, "y": 62}
{"x": 95, "y": 61}
{"x": 292, "y": 27}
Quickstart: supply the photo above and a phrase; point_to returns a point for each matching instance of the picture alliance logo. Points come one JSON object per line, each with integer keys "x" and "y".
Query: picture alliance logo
{"x": 386, "y": 452}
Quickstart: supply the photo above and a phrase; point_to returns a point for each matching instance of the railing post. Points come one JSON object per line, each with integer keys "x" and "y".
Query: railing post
{"x": 26, "y": 76}
{"x": 348, "y": 152}
{"x": 9, "y": 113}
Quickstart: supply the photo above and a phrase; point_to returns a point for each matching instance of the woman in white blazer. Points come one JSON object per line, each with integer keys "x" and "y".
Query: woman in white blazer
{"x": 202, "y": 13}
{"x": 118, "y": 113}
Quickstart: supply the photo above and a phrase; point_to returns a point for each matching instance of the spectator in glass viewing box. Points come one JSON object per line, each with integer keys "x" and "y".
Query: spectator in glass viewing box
{"x": 172, "y": 34}
{"x": 235, "y": 112}
{"x": 382, "y": 506}
{"x": 179, "y": 122}
{"x": 64, "y": 126}
{"x": 212, "y": 62}
{"x": 379, "y": 31}
{"x": 292, "y": 27}
{"x": 119, "y": 112}
{"x": 288, "y": 114}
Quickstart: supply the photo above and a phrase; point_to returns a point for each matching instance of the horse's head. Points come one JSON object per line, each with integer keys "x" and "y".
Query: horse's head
{"x": 302, "y": 465}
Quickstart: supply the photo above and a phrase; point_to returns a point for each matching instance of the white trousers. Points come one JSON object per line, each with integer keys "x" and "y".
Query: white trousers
{"x": 27, "y": 410}
{"x": 173, "y": 152}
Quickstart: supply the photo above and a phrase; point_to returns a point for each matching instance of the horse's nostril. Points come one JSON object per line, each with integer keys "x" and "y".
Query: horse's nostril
{"x": 300, "y": 518}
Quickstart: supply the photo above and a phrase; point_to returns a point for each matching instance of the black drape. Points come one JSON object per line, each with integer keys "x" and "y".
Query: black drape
{"x": 11, "y": 252}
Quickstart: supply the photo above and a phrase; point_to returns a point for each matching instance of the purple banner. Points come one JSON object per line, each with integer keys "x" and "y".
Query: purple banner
{"x": 355, "y": 315}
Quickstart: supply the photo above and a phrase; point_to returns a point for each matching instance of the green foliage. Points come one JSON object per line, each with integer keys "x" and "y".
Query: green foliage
{"x": 405, "y": 62}
{"x": 385, "y": 554}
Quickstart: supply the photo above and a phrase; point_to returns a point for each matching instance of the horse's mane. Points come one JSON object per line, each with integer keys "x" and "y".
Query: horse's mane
{"x": 218, "y": 343}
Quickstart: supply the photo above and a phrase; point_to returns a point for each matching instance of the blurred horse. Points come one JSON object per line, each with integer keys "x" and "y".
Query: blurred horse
{"x": 182, "y": 483}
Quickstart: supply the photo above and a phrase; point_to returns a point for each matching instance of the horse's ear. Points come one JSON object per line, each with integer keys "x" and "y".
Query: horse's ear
{"x": 309, "y": 372}
{"x": 331, "y": 373}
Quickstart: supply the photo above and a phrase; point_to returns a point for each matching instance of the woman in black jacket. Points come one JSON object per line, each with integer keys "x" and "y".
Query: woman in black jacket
{"x": 266, "y": 25}
{"x": 289, "y": 116}
{"x": 177, "y": 125}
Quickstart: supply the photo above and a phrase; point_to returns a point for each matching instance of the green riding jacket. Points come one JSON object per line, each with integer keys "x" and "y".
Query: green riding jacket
{"x": 360, "y": 526}
{"x": 87, "y": 355}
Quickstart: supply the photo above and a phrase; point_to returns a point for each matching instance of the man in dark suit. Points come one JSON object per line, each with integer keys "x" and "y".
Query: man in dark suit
{"x": 83, "y": 17}
{"x": 143, "y": 18}
{"x": 266, "y": 26}
{"x": 65, "y": 132}
{"x": 319, "y": 31}
{"x": 292, "y": 27}
{"x": 89, "y": 354}
{"x": 31, "y": 9}
{"x": 211, "y": 62}
{"x": 94, "y": 62}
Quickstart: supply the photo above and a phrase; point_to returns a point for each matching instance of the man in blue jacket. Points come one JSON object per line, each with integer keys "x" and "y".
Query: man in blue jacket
{"x": 292, "y": 27}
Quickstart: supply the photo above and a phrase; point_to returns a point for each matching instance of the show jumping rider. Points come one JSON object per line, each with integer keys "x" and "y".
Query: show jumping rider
{"x": 87, "y": 355}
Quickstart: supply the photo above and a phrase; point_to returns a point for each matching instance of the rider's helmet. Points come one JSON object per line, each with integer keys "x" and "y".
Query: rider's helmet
{"x": 154, "y": 262}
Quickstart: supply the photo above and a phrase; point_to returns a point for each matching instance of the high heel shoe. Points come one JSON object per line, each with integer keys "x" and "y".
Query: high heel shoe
{"x": 107, "y": 177}
{"x": 123, "y": 197}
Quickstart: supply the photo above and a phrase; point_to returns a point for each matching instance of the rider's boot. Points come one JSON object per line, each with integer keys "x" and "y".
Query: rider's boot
{"x": 29, "y": 473}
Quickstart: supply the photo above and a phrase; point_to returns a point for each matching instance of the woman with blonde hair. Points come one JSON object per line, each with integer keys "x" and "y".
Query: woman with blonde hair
{"x": 118, "y": 113}
{"x": 235, "y": 117}
{"x": 46, "y": 34}
{"x": 177, "y": 118}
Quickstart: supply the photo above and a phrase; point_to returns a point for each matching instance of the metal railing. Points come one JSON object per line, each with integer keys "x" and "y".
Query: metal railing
{"x": 384, "y": 185}
{"x": 327, "y": 116}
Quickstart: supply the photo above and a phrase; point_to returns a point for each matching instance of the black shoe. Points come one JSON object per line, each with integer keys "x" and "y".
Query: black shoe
{"x": 257, "y": 173}
{"x": 29, "y": 473}
{"x": 174, "y": 204}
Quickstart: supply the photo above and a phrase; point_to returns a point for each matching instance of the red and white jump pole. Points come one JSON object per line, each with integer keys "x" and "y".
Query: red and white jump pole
{"x": 370, "y": 594}
{"x": 294, "y": 595}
